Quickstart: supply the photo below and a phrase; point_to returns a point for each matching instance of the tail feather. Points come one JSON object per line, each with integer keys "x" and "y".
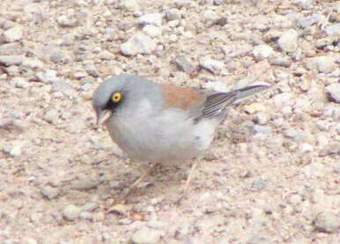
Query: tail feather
{"x": 249, "y": 90}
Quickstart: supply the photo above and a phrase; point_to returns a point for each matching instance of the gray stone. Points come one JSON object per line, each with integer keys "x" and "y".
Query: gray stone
{"x": 48, "y": 76}
{"x": 184, "y": 65}
{"x": 305, "y": 4}
{"x": 13, "y": 34}
{"x": 150, "y": 19}
{"x": 288, "y": 41}
{"x": 71, "y": 212}
{"x": 218, "y": 2}
{"x": 85, "y": 184}
{"x": 212, "y": 65}
{"x": 49, "y": 192}
{"x": 327, "y": 222}
{"x": 333, "y": 92}
{"x": 261, "y": 52}
{"x": 67, "y": 21}
{"x": 9, "y": 60}
{"x": 138, "y": 44}
{"x": 308, "y": 21}
{"x": 89, "y": 207}
{"x": 260, "y": 129}
{"x": 146, "y": 236}
{"x": 13, "y": 150}
{"x": 172, "y": 14}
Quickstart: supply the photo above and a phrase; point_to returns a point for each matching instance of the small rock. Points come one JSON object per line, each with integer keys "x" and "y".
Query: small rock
{"x": 212, "y": 65}
{"x": 323, "y": 64}
{"x": 89, "y": 207}
{"x": 146, "y": 236}
{"x": 332, "y": 148}
{"x": 288, "y": 41}
{"x": 261, "y": 52}
{"x": 51, "y": 116}
{"x": 152, "y": 30}
{"x": 150, "y": 19}
{"x": 209, "y": 16}
{"x": 86, "y": 215}
{"x": 33, "y": 63}
{"x": 47, "y": 76}
{"x": 20, "y": 82}
{"x": 258, "y": 185}
{"x": 13, "y": 151}
{"x": 284, "y": 61}
{"x": 131, "y": 5}
{"x": 13, "y": 34}
{"x": 184, "y": 65}
{"x": 333, "y": 92}
{"x": 49, "y": 192}
{"x": 216, "y": 86}
{"x": 308, "y": 21}
{"x": 327, "y": 222}
{"x": 261, "y": 129}
{"x": 254, "y": 107}
{"x": 138, "y": 44}
{"x": 218, "y": 2}
{"x": 67, "y": 21}
{"x": 172, "y": 14}
{"x": 333, "y": 30}
{"x": 261, "y": 118}
{"x": 71, "y": 212}
{"x": 85, "y": 184}
{"x": 306, "y": 148}
{"x": 305, "y": 4}
{"x": 9, "y": 60}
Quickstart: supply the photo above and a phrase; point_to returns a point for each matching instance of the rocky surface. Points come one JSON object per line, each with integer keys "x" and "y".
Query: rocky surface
{"x": 272, "y": 175}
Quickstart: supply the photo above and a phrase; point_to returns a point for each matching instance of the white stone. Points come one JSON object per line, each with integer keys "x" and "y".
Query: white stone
{"x": 261, "y": 52}
{"x": 151, "y": 19}
{"x": 288, "y": 41}
{"x": 152, "y": 30}
{"x": 131, "y": 5}
{"x": 138, "y": 44}
{"x": 323, "y": 64}
{"x": 71, "y": 212}
{"x": 13, "y": 34}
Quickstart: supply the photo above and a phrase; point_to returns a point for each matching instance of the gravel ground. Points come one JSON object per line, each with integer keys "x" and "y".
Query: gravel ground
{"x": 273, "y": 173}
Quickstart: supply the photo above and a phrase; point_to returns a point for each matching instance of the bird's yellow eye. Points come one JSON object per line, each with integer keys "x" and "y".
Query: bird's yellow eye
{"x": 116, "y": 97}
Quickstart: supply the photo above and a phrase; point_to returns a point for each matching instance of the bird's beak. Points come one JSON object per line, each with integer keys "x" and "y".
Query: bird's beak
{"x": 103, "y": 116}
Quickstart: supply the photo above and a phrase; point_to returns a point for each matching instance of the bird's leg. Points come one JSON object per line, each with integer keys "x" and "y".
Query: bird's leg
{"x": 134, "y": 185}
{"x": 187, "y": 182}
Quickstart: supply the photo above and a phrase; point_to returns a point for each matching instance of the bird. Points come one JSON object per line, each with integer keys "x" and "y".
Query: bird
{"x": 161, "y": 122}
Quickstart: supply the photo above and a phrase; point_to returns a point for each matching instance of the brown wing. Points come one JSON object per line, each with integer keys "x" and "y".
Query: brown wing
{"x": 182, "y": 97}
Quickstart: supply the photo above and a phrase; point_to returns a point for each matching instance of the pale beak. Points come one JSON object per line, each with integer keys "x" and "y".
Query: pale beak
{"x": 103, "y": 116}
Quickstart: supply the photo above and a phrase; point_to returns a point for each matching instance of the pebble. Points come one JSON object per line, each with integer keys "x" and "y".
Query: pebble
{"x": 33, "y": 63}
{"x": 172, "y": 14}
{"x": 262, "y": 118}
{"x": 152, "y": 30}
{"x": 67, "y": 21}
{"x": 130, "y": 5}
{"x": 13, "y": 150}
{"x": 150, "y": 19}
{"x": 216, "y": 86}
{"x": 138, "y": 44}
{"x": 261, "y": 129}
{"x": 261, "y": 52}
{"x": 47, "y": 76}
{"x": 184, "y": 65}
{"x": 305, "y": 4}
{"x": 71, "y": 212}
{"x": 51, "y": 116}
{"x": 49, "y": 192}
{"x": 89, "y": 207}
{"x": 308, "y": 21}
{"x": 9, "y": 60}
{"x": 212, "y": 65}
{"x": 323, "y": 64}
{"x": 86, "y": 215}
{"x": 13, "y": 34}
{"x": 333, "y": 30}
{"x": 288, "y": 41}
{"x": 85, "y": 184}
{"x": 20, "y": 82}
{"x": 327, "y": 222}
{"x": 146, "y": 236}
{"x": 333, "y": 92}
